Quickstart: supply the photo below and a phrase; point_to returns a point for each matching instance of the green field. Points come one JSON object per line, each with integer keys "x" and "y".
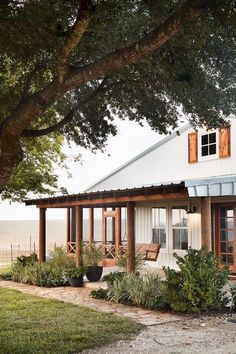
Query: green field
{"x": 30, "y": 324}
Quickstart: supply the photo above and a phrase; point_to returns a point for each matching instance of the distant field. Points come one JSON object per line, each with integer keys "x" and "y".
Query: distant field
{"x": 21, "y": 237}
{"x": 23, "y": 232}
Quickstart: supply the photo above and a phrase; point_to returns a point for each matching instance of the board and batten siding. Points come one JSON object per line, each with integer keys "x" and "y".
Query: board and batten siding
{"x": 143, "y": 230}
{"x": 169, "y": 162}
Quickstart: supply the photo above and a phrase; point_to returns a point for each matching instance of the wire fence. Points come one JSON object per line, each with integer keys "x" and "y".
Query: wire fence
{"x": 9, "y": 254}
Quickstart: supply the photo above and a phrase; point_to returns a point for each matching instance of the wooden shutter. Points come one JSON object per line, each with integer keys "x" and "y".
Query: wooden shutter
{"x": 224, "y": 142}
{"x": 192, "y": 147}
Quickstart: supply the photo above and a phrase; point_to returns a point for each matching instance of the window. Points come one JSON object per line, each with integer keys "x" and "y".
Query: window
{"x": 208, "y": 144}
{"x": 159, "y": 226}
{"x": 180, "y": 227}
{"x": 204, "y": 146}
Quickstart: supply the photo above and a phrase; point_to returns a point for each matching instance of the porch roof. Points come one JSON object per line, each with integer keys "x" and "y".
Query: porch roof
{"x": 118, "y": 197}
{"x": 212, "y": 187}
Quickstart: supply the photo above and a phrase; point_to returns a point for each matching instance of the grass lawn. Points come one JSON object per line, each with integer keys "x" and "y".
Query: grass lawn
{"x": 30, "y": 324}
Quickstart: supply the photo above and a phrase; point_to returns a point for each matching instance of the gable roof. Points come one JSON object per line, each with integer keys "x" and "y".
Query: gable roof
{"x": 142, "y": 154}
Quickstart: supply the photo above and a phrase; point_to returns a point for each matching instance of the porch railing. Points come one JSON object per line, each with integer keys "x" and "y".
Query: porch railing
{"x": 109, "y": 249}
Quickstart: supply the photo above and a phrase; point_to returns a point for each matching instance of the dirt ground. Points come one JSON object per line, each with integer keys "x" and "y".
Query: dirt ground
{"x": 215, "y": 335}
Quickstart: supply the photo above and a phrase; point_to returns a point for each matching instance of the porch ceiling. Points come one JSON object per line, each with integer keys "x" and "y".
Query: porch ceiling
{"x": 116, "y": 198}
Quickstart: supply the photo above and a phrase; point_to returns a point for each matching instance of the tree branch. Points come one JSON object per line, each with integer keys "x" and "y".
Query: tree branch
{"x": 30, "y": 77}
{"x": 30, "y": 133}
{"x": 74, "y": 37}
{"x": 140, "y": 49}
{"x": 35, "y": 105}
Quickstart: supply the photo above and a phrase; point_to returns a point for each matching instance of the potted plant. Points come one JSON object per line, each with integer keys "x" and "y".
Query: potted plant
{"x": 75, "y": 275}
{"x": 92, "y": 255}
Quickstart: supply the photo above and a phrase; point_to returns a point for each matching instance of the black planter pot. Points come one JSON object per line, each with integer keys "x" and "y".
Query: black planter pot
{"x": 94, "y": 273}
{"x": 76, "y": 281}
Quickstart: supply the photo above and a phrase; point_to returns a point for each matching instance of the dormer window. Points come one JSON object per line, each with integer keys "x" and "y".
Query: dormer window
{"x": 208, "y": 145}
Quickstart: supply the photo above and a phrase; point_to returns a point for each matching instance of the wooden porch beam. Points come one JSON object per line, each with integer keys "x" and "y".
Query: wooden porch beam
{"x": 104, "y": 231}
{"x": 118, "y": 229}
{"x": 206, "y": 222}
{"x": 104, "y": 201}
{"x": 113, "y": 229}
{"x": 130, "y": 238}
{"x": 91, "y": 225}
{"x": 78, "y": 234}
{"x": 42, "y": 234}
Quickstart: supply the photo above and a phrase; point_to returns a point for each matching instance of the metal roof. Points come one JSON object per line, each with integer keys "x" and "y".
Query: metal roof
{"x": 212, "y": 187}
{"x": 89, "y": 197}
{"x": 145, "y": 152}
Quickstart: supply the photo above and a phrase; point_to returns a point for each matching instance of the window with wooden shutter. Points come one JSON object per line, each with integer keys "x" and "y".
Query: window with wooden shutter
{"x": 224, "y": 142}
{"x": 192, "y": 147}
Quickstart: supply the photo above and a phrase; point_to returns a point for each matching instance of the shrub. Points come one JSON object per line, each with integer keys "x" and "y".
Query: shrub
{"x": 118, "y": 292}
{"x": 48, "y": 274}
{"x": 99, "y": 293}
{"x": 233, "y": 296}
{"x": 109, "y": 278}
{"x": 58, "y": 258}
{"x": 92, "y": 254}
{"x": 6, "y": 276}
{"x": 141, "y": 290}
{"x": 43, "y": 274}
{"x": 74, "y": 272}
{"x": 198, "y": 285}
{"x": 20, "y": 264}
{"x": 121, "y": 260}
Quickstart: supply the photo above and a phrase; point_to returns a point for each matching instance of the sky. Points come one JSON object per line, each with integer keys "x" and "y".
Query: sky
{"x": 131, "y": 140}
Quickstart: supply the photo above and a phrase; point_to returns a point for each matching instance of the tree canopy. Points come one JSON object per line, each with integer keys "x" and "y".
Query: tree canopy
{"x": 67, "y": 68}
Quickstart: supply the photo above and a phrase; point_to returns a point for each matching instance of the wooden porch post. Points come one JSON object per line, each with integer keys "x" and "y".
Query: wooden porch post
{"x": 118, "y": 229}
{"x": 130, "y": 238}
{"x": 114, "y": 228}
{"x": 104, "y": 231}
{"x": 42, "y": 234}
{"x": 67, "y": 230}
{"x": 78, "y": 234}
{"x": 91, "y": 225}
{"x": 206, "y": 222}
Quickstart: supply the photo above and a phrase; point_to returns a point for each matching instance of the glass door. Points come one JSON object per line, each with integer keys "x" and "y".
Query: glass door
{"x": 225, "y": 244}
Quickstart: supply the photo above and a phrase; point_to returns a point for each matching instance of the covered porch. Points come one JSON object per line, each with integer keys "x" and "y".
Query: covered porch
{"x": 111, "y": 203}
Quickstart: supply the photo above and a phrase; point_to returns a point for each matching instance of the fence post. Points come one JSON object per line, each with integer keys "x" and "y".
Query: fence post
{"x": 11, "y": 253}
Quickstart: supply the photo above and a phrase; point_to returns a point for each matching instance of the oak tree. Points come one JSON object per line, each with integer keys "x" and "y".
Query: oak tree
{"x": 67, "y": 68}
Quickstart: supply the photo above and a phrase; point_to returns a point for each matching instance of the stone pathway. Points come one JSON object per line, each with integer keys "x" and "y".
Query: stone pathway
{"x": 80, "y": 296}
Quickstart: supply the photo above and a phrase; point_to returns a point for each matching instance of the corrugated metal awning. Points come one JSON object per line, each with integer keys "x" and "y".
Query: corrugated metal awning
{"x": 212, "y": 187}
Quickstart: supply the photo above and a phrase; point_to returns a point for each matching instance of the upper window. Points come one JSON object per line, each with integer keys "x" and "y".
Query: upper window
{"x": 208, "y": 144}
{"x": 204, "y": 145}
{"x": 159, "y": 226}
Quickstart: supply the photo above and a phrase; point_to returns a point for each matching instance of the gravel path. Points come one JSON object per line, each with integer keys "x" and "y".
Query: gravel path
{"x": 206, "y": 335}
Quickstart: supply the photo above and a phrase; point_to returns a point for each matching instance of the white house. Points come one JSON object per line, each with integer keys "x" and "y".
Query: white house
{"x": 179, "y": 193}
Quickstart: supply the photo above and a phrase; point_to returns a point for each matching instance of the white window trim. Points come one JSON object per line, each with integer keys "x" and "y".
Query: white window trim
{"x": 171, "y": 234}
{"x": 169, "y": 231}
{"x": 208, "y": 157}
{"x": 164, "y": 206}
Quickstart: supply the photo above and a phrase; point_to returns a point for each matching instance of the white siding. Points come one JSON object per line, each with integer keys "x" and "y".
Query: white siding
{"x": 143, "y": 230}
{"x": 169, "y": 163}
